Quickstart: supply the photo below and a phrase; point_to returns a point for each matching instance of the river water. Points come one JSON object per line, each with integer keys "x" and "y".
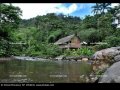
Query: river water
{"x": 17, "y": 71}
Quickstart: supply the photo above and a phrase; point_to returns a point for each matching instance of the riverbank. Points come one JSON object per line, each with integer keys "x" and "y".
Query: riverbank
{"x": 5, "y": 58}
{"x": 69, "y": 58}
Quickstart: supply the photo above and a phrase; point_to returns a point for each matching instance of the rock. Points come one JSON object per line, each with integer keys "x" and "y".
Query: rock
{"x": 28, "y": 58}
{"x": 99, "y": 65}
{"x": 117, "y": 48}
{"x": 108, "y": 53}
{"x": 103, "y": 66}
{"x": 79, "y": 60}
{"x": 72, "y": 57}
{"x": 72, "y": 60}
{"x": 84, "y": 59}
{"x": 82, "y": 76}
{"x": 93, "y": 79}
{"x": 112, "y": 74}
{"x": 117, "y": 58}
{"x": 87, "y": 79}
{"x": 98, "y": 55}
{"x": 90, "y": 62}
{"x": 59, "y": 57}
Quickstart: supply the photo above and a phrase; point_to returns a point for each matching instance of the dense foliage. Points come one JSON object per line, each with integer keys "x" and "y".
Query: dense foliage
{"x": 39, "y": 33}
{"x": 9, "y": 21}
{"x": 79, "y": 52}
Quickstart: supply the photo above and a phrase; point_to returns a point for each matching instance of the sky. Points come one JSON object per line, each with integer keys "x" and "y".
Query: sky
{"x": 30, "y": 10}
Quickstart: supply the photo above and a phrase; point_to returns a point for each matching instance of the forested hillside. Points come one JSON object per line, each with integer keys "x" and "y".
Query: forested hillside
{"x": 39, "y": 33}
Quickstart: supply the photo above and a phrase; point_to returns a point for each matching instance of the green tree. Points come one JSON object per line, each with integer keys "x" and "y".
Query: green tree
{"x": 96, "y": 8}
{"x": 100, "y": 8}
{"x": 113, "y": 41}
{"x": 105, "y": 6}
{"x": 115, "y": 10}
{"x": 9, "y": 21}
{"x": 9, "y": 18}
{"x": 90, "y": 22}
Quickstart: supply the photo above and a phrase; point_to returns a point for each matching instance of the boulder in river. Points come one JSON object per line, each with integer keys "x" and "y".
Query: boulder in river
{"x": 108, "y": 53}
{"x": 112, "y": 74}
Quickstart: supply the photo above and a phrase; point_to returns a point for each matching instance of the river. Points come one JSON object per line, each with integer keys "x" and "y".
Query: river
{"x": 20, "y": 71}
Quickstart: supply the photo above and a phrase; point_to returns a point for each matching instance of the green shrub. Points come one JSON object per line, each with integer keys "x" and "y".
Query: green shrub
{"x": 85, "y": 51}
{"x": 34, "y": 53}
{"x": 44, "y": 49}
{"x": 79, "y": 52}
{"x": 113, "y": 41}
{"x": 67, "y": 52}
{"x": 2, "y": 52}
{"x": 4, "y": 48}
{"x": 100, "y": 47}
{"x": 52, "y": 50}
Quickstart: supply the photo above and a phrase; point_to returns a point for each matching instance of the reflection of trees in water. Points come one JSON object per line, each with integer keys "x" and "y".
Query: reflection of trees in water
{"x": 73, "y": 71}
{"x": 70, "y": 69}
{"x": 41, "y": 71}
{"x": 4, "y": 69}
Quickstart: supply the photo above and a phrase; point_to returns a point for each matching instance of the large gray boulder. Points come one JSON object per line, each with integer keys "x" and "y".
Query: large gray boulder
{"x": 108, "y": 53}
{"x": 112, "y": 74}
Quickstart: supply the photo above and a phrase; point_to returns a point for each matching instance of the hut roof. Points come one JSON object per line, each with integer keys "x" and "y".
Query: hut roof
{"x": 64, "y": 40}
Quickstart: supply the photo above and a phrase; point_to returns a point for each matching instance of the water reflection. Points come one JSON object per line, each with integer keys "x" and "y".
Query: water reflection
{"x": 16, "y": 71}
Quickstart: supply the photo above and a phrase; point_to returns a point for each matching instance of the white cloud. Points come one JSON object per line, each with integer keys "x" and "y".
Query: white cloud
{"x": 66, "y": 10}
{"x": 72, "y": 8}
{"x": 114, "y": 4}
{"x": 31, "y": 10}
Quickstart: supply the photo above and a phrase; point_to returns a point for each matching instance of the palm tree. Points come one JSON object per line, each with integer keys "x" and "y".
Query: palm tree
{"x": 116, "y": 14}
{"x": 96, "y": 9}
{"x": 116, "y": 10}
{"x": 100, "y": 8}
{"x": 105, "y": 6}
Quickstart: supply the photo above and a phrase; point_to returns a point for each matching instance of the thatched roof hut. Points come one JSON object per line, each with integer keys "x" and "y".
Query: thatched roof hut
{"x": 71, "y": 41}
